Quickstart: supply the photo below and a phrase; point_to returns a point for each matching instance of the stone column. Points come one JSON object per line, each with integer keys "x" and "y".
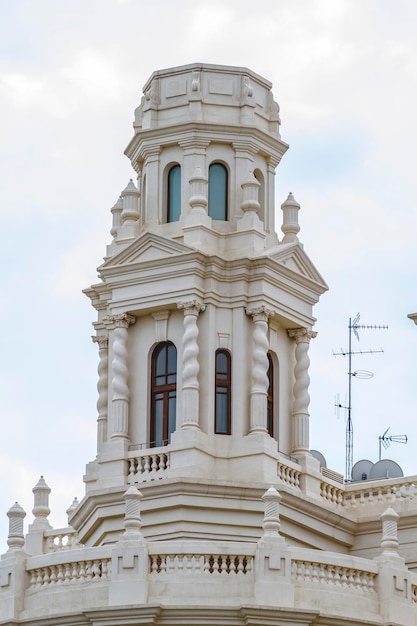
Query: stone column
{"x": 300, "y": 421}
{"x": 102, "y": 388}
{"x": 259, "y": 389}
{"x": 190, "y": 365}
{"x": 120, "y": 397}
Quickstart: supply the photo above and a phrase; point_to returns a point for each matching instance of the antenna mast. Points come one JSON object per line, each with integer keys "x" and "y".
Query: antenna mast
{"x": 354, "y": 326}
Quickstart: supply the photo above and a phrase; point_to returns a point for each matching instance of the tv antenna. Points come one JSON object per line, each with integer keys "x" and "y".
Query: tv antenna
{"x": 386, "y": 440}
{"x": 354, "y": 327}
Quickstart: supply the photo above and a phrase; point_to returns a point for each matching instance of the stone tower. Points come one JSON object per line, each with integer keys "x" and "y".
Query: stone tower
{"x": 204, "y": 504}
{"x": 204, "y": 314}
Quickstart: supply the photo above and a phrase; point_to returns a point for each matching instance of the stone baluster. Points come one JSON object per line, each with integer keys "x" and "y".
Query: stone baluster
{"x": 120, "y": 397}
{"x": 290, "y": 226}
{"x": 102, "y": 388}
{"x": 16, "y": 539}
{"x": 300, "y": 430}
{"x": 389, "y": 542}
{"x": 271, "y": 524}
{"x": 190, "y": 364}
{"x": 259, "y": 389}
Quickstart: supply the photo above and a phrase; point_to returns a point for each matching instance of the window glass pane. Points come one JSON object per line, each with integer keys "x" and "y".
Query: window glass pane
{"x": 217, "y": 197}
{"x": 160, "y": 362}
{"x": 158, "y": 431}
{"x": 172, "y": 409}
{"x": 172, "y": 359}
{"x": 221, "y": 364}
{"x": 221, "y": 411}
{"x": 174, "y": 194}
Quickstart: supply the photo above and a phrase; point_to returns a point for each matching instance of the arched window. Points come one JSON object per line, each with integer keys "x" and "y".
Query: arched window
{"x": 217, "y": 194}
{"x": 223, "y": 389}
{"x": 270, "y": 399}
{"x": 174, "y": 194}
{"x": 163, "y": 393}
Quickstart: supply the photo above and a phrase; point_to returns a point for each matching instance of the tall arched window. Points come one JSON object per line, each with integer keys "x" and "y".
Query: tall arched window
{"x": 270, "y": 399}
{"x": 223, "y": 391}
{"x": 174, "y": 194}
{"x": 217, "y": 194}
{"x": 163, "y": 393}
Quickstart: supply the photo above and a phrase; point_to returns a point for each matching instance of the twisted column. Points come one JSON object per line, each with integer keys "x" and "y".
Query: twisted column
{"x": 389, "y": 542}
{"x": 259, "y": 389}
{"x": 300, "y": 430}
{"x": 120, "y": 397}
{"x": 102, "y": 388}
{"x": 190, "y": 364}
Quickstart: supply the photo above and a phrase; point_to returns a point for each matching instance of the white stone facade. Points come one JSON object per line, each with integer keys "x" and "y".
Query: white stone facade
{"x": 204, "y": 504}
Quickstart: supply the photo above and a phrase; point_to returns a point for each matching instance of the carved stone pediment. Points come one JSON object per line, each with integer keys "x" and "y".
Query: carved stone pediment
{"x": 293, "y": 258}
{"x": 148, "y": 247}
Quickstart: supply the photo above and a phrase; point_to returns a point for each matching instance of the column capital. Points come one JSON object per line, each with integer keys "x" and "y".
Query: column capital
{"x": 260, "y": 313}
{"x": 102, "y": 340}
{"x": 191, "y": 307}
{"x": 120, "y": 320}
{"x": 301, "y": 335}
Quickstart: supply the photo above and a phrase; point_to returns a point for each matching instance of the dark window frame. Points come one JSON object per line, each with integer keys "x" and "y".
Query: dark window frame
{"x": 223, "y": 387}
{"x": 172, "y": 191}
{"x": 163, "y": 388}
{"x": 270, "y": 397}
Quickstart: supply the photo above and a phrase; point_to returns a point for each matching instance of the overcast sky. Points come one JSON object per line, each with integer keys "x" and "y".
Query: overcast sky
{"x": 71, "y": 74}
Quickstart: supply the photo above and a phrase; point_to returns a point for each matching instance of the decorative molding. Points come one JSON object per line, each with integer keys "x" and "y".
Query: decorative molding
{"x": 191, "y": 307}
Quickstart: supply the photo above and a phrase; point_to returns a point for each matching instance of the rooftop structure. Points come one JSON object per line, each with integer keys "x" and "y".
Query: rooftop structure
{"x": 204, "y": 503}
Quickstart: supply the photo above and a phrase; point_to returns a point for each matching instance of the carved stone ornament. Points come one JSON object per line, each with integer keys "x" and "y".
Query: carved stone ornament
{"x": 102, "y": 340}
{"x": 191, "y": 307}
{"x": 301, "y": 334}
{"x": 260, "y": 312}
{"x": 120, "y": 320}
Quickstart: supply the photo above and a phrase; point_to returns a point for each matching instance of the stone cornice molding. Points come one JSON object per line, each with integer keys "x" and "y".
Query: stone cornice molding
{"x": 150, "y": 151}
{"x": 301, "y": 334}
{"x": 191, "y": 307}
{"x": 245, "y": 147}
{"x": 191, "y": 144}
{"x": 102, "y": 340}
{"x": 260, "y": 313}
{"x": 120, "y": 320}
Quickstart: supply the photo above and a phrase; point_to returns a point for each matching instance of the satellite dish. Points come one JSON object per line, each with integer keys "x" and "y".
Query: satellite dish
{"x": 385, "y": 469}
{"x": 361, "y": 470}
{"x": 320, "y": 458}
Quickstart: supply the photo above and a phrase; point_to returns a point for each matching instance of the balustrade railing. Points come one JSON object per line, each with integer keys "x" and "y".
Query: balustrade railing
{"x": 146, "y": 466}
{"x": 368, "y": 492}
{"x": 289, "y": 474}
{"x": 89, "y": 570}
{"x": 195, "y": 564}
{"x": 61, "y": 539}
{"x": 337, "y": 575}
